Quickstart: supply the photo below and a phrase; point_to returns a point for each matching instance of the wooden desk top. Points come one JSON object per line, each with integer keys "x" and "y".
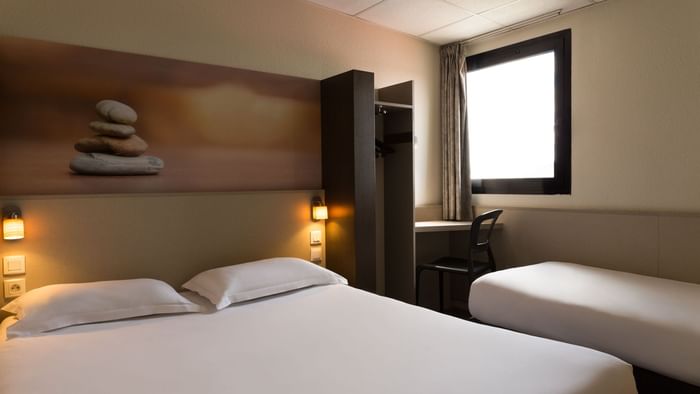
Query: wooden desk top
{"x": 445, "y": 225}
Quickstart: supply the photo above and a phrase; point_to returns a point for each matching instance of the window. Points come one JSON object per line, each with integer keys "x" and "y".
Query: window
{"x": 519, "y": 117}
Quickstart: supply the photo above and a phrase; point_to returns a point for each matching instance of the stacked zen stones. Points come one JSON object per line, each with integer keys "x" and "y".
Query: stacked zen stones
{"x": 115, "y": 149}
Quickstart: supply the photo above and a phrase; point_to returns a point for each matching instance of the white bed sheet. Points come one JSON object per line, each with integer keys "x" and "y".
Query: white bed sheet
{"x": 650, "y": 322}
{"x": 328, "y": 339}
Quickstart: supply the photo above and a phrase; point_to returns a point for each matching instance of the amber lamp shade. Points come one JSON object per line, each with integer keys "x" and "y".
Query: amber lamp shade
{"x": 320, "y": 212}
{"x": 13, "y": 226}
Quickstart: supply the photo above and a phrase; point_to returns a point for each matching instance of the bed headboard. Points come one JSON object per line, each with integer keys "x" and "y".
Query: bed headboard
{"x": 168, "y": 237}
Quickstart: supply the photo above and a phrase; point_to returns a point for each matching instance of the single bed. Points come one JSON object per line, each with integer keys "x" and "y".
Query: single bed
{"x": 324, "y": 339}
{"x": 650, "y": 322}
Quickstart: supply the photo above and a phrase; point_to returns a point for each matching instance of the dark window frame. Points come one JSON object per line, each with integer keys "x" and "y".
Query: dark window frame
{"x": 560, "y": 43}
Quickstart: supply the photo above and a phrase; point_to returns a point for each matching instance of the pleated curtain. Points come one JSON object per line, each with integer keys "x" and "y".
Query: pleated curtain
{"x": 456, "y": 183}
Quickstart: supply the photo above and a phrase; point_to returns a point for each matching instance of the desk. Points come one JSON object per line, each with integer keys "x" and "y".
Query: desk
{"x": 434, "y": 226}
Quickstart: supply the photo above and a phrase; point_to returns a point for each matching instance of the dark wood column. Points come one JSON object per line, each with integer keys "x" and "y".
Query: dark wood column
{"x": 347, "y": 120}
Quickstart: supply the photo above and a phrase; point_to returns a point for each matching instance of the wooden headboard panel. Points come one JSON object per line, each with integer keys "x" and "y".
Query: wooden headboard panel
{"x": 168, "y": 237}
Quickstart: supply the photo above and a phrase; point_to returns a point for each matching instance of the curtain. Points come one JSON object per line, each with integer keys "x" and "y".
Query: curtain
{"x": 456, "y": 184}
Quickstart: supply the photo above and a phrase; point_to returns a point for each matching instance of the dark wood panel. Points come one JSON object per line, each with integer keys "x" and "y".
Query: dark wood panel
{"x": 399, "y": 241}
{"x": 399, "y": 138}
{"x": 401, "y": 93}
{"x": 347, "y": 123}
{"x": 649, "y": 382}
{"x": 365, "y": 183}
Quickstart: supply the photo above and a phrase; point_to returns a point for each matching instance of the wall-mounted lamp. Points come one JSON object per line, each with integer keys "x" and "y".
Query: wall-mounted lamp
{"x": 319, "y": 211}
{"x": 12, "y": 224}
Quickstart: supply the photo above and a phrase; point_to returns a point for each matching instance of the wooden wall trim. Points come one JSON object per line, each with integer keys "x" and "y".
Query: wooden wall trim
{"x": 670, "y": 212}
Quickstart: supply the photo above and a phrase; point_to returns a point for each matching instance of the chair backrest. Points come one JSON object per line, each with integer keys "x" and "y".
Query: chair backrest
{"x": 477, "y": 243}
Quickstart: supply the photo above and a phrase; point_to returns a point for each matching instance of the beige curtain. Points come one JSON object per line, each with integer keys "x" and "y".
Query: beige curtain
{"x": 456, "y": 184}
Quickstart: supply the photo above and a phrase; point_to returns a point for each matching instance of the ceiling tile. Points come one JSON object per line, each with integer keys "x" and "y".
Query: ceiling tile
{"x": 522, "y": 10}
{"x": 414, "y": 16}
{"x": 351, "y": 7}
{"x": 569, "y": 5}
{"x": 467, "y": 28}
{"x": 479, "y": 6}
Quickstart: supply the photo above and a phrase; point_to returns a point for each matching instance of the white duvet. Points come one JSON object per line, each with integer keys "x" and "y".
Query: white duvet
{"x": 328, "y": 339}
{"x": 650, "y": 322}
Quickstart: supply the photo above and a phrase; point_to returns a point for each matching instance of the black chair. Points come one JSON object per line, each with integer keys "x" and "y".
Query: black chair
{"x": 478, "y": 244}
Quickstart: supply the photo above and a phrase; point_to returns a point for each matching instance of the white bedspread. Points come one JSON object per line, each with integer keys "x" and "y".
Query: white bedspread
{"x": 650, "y": 322}
{"x": 330, "y": 339}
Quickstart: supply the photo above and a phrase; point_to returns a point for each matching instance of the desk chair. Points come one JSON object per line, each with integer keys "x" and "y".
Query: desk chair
{"x": 470, "y": 267}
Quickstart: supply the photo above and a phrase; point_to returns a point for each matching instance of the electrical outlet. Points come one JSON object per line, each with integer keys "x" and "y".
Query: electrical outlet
{"x": 13, "y": 265}
{"x": 315, "y": 237}
{"x": 14, "y": 287}
{"x": 316, "y": 254}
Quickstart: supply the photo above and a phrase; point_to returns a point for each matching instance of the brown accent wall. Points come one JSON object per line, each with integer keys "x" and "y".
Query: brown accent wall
{"x": 216, "y": 128}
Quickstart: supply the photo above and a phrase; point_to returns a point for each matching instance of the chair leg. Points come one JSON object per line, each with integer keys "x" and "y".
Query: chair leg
{"x": 440, "y": 291}
{"x": 418, "y": 272}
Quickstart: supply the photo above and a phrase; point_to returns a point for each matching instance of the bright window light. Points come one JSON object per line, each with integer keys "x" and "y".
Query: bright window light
{"x": 510, "y": 114}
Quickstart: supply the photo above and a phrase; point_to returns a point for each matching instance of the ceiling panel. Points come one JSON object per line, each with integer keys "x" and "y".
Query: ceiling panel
{"x": 523, "y": 10}
{"x": 445, "y": 21}
{"x": 351, "y": 7}
{"x": 414, "y": 16}
{"x": 467, "y": 28}
{"x": 479, "y": 6}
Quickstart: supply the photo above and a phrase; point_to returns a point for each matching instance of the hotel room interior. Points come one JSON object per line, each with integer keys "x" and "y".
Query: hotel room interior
{"x": 350, "y": 196}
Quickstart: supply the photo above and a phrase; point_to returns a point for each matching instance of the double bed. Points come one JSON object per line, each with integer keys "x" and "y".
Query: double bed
{"x": 320, "y": 339}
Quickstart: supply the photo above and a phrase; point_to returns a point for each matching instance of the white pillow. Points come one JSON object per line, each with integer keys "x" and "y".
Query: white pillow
{"x": 56, "y": 306}
{"x": 235, "y": 283}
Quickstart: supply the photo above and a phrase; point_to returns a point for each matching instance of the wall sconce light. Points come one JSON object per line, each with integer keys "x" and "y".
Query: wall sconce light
{"x": 12, "y": 224}
{"x": 319, "y": 211}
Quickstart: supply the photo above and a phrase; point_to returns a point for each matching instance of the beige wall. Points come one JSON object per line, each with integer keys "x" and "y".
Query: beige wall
{"x": 292, "y": 37}
{"x": 636, "y": 106}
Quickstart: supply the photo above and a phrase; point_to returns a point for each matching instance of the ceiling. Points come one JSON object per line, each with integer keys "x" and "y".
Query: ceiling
{"x": 445, "y": 21}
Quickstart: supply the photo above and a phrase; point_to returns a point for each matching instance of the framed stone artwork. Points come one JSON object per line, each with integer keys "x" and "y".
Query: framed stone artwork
{"x": 79, "y": 120}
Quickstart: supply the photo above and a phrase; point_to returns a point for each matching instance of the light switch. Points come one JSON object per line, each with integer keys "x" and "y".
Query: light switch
{"x": 315, "y": 236}
{"x": 14, "y": 287}
{"x": 13, "y": 265}
{"x": 316, "y": 254}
